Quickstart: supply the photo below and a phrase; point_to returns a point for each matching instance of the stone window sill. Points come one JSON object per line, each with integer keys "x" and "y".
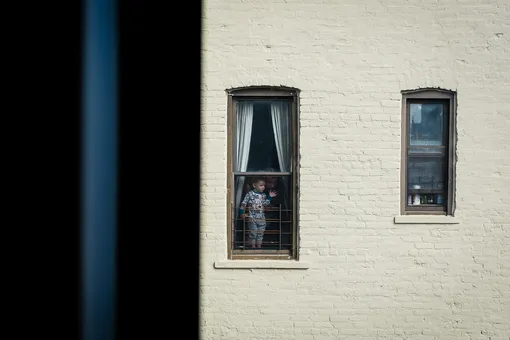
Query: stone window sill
{"x": 425, "y": 219}
{"x": 261, "y": 264}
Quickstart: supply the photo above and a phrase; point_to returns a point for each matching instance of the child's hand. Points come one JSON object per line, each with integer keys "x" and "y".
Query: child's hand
{"x": 243, "y": 216}
{"x": 273, "y": 193}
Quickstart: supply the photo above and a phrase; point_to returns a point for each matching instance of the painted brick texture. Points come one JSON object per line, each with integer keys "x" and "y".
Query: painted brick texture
{"x": 369, "y": 278}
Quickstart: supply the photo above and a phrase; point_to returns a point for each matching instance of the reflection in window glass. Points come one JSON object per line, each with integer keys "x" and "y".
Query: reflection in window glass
{"x": 426, "y": 124}
{"x": 426, "y": 180}
{"x": 427, "y": 172}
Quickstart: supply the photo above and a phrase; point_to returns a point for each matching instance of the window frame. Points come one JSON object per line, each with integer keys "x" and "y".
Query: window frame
{"x": 430, "y": 95}
{"x": 263, "y": 92}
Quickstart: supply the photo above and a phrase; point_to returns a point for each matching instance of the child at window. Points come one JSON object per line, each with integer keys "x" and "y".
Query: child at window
{"x": 253, "y": 209}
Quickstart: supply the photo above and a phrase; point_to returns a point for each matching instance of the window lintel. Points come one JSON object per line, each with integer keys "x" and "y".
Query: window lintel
{"x": 266, "y": 91}
{"x": 428, "y": 93}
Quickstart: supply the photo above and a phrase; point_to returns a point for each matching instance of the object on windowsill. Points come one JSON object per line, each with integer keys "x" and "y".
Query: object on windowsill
{"x": 417, "y": 199}
{"x": 439, "y": 199}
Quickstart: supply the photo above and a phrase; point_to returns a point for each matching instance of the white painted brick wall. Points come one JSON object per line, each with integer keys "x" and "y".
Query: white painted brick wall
{"x": 369, "y": 278}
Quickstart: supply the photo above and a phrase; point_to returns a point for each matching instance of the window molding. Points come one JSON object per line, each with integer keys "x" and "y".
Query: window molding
{"x": 261, "y": 264}
{"x": 261, "y": 92}
{"x": 425, "y": 219}
{"x": 430, "y": 94}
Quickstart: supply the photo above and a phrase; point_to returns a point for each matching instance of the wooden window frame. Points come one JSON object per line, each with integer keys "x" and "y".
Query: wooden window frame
{"x": 262, "y": 92}
{"x": 430, "y": 95}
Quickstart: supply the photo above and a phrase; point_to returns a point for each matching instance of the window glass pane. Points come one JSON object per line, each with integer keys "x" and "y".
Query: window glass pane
{"x": 263, "y": 136}
{"x": 426, "y": 181}
{"x": 268, "y": 223}
{"x": 426, "y": 124}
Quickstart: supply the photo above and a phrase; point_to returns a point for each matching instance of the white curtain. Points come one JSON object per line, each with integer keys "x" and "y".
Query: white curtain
{"x": 244, "y": 122}
{"x": 280, "y": 114}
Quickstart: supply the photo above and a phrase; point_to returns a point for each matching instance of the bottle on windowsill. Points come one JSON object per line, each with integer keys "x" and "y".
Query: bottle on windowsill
{"x": 416, "y": 199}
{"x": 439, "y": 199}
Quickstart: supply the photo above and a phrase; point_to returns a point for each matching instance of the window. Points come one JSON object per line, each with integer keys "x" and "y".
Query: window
{"x": 428, "y": 152}
{"x": 262, "y": 144}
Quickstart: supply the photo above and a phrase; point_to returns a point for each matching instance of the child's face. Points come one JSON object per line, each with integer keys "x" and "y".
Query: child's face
{"x": 259, "y": 186}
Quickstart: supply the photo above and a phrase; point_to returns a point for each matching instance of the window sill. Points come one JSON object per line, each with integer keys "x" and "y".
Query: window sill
{"x": 261, "y": 264}
{"x": 425, "y": 219}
